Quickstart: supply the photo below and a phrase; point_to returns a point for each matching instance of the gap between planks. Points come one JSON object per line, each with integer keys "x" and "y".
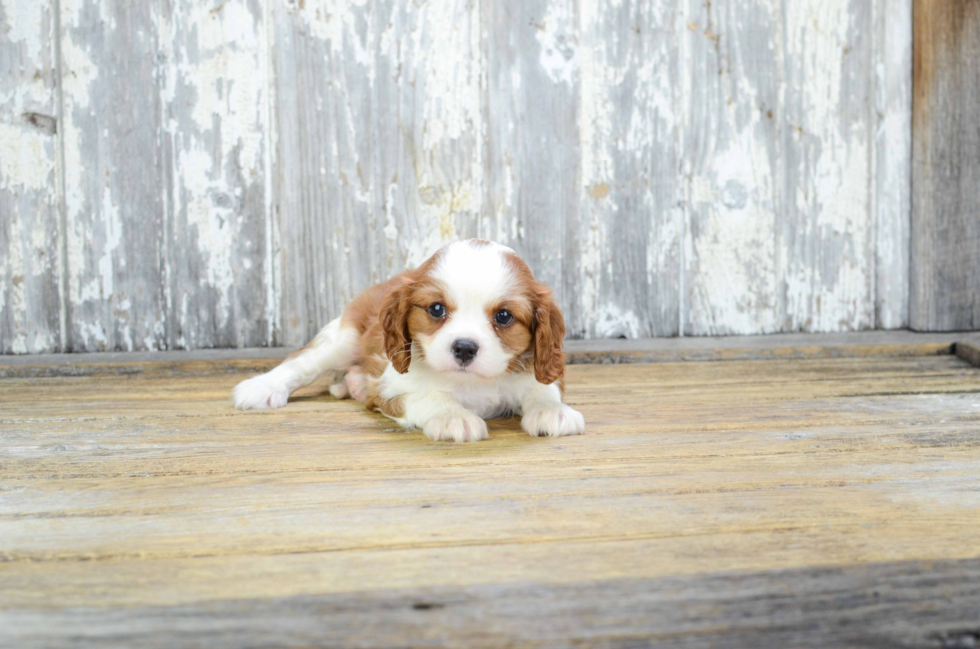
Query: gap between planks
{"x": 867, "y": 344}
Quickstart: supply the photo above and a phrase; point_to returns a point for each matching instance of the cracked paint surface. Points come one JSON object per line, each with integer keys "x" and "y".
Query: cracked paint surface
{"x": 230, "y": 174}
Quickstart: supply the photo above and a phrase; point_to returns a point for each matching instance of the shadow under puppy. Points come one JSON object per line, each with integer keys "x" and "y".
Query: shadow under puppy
{"x": 469, "y": 335}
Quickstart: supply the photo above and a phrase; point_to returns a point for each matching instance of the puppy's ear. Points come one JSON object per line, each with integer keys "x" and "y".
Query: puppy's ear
{"x": 394, "y": 323}
{"x": 549, "y": 334}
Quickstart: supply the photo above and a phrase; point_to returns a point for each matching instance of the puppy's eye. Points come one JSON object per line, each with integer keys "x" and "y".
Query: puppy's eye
{"x": 503, "y": 317}
{"x": 437, "y": 310}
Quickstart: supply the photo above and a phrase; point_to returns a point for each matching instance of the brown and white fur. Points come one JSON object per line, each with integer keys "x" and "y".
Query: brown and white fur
{"x": 493, "y": 348}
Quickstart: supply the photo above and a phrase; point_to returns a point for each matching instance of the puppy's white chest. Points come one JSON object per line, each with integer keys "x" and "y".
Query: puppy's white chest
{"x": 483, "y": 397}
{"x": 485, "y": 401}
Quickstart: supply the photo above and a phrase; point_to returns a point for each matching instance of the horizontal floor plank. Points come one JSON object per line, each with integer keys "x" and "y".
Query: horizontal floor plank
{"x": 757, "y": 500}
{"x": 895, "y": 604}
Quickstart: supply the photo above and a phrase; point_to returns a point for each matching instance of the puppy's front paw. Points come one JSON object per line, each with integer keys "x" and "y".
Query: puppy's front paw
{"x": 339, "y": 391}
{"x": 357, "y": 382}
{"x": 456, "y": 426}
{"x": 259, "y": 393}
{"x": 553, "y": 420}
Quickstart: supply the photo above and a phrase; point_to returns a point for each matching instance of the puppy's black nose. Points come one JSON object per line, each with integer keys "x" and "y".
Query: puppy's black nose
{"x": 464, "y": 351}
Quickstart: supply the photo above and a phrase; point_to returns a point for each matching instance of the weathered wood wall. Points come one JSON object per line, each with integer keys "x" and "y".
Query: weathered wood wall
{"x": 30, "y": 251}
{"x": 945, "y": 282}
{"x": 178, "y": 174}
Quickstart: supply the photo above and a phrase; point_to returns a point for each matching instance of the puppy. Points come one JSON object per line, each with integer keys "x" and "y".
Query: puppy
{"x": 469, "y": 335}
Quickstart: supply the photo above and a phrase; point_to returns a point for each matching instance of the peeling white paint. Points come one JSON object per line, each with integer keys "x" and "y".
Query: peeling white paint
{"x": 594, "y": 128}
{"x": 613, "y": 322}
{"x": 224, "y": 76}
{"x": 452, "y": 76}
{"x": 13, "y": 298}
{"x": 25, "y": 25}
{"x": 28, "y": 192}
{"x": 702, "y": 190}
{"x": 24, "y": 162}
{"x": 113, "y": 232}
{"x": 438, "y": 211}
{"x": 217, "y": 87}
{"x": 391, "y": 228}
{"x": 795, "y": 219}
{"x": 79, "y": 77}
{"x": 333, "y": 22}
{"x": 830, "y": 289}
{"x": 272, "y": 263}
{"x": 662, "y": 245}
{"x": 736, "y": 275}
{"x": 892, "y": 160}
{"x": 591, "y": 265}
{"x": 558, "y": 36}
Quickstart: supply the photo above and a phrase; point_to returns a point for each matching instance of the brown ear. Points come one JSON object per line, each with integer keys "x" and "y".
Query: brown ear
{"x": 549, "y": 334}
{"x": 394, "y": 324}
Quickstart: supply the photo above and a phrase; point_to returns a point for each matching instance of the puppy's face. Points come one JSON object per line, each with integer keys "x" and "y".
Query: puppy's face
{"x": 474, "y": 308}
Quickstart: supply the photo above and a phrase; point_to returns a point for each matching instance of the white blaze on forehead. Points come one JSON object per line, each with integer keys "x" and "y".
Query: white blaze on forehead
{"x": 475, "y": 274}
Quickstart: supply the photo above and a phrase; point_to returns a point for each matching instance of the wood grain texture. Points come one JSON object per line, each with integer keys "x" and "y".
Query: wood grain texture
{"x": 115, "y": 175}
{"x": 858, "y": 606}
{"x": 945, "y": 275}
{"x": 379, "y": 132}
{"x": 165, "y": 145}
{"x": 829, "y": 235}
{"x": 742, "y": 499}
{"x": 734, "y": 164}
{"x": 970, "y": 352}
{"x": 626, "y": 277}
{"x": 236, "y": 172}
{"x": 531, "y": 150}
{"x": 785, "y": 230}
{"x": 30, "y": 293}
{"x": 216, "y": 89}
{"x": 892, "y": 160}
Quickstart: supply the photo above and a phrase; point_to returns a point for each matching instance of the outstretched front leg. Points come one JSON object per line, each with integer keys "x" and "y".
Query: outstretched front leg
{"x": 334, "y": 348}
{"x": 544, "y": 415}
{"x": 441, "y": 417}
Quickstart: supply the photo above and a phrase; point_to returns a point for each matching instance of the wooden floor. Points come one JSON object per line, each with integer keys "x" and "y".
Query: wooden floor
{"x": 783, "y": 503}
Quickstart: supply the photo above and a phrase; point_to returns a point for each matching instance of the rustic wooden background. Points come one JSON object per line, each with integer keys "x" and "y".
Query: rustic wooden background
{"x": 945, "y": 289}
{"x": 228, "y": 173}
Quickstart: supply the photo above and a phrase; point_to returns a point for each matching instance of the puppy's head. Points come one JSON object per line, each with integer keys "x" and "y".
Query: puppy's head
{"x": 474, "y": 308}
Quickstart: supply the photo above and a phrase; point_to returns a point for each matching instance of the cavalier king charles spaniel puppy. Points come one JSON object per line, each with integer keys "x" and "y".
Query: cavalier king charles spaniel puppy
{"x": 469, "y": 335}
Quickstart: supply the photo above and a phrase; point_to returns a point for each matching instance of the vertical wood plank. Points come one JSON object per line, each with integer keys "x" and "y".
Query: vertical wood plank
{"x": 214, "y": 144}
{"x": 826, "y": 239}
{"x": 306, "y": 88}
{"x": 166, "y": 174}
{"x": 29, "y": 245}
{"x": 945, "y": 274}
{"x": 630, "y": 230}
{"x": 532, "y": 153}
{"x": 818, "y": 243}
{"x": 379, "y": 133}
{"x": 116, "y": 177}
{"x": 892, "y": 160}
{"x": 731, "y": 114}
